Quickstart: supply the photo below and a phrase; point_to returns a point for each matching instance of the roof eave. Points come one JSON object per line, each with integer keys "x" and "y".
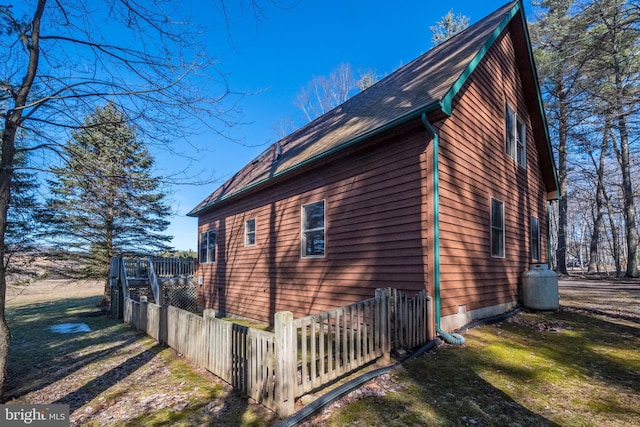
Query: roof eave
{"x": 433, "y": 109}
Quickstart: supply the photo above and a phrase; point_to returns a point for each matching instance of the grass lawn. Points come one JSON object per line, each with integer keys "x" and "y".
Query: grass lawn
{"x": 113, "y": 375}
{"x": 566, "y": 368}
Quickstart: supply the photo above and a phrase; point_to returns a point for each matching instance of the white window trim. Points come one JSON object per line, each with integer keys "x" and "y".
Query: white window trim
{"x": 303, "y": 231}
{"x": 200, "y": 247}
{"x": 535, "y": 239}
{"x": 521, "y": 142}
{"x": 247, "y": 233}
{"x": 515, "y": 136}
{"x": 502, "y": 229}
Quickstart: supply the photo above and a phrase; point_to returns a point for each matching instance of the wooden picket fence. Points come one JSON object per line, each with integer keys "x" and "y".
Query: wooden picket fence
{"x": 301, "y": 355}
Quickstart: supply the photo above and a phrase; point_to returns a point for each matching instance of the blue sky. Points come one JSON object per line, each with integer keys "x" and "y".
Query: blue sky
{"x": 272, "y": 59}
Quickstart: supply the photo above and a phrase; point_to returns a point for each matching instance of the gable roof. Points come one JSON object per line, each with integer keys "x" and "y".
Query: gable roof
{"x": 428, "y": 85}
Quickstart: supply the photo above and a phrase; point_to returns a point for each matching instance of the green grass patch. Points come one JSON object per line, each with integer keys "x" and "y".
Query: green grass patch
{"x": 113, "y": 370}
{"x": 536, "y": 369}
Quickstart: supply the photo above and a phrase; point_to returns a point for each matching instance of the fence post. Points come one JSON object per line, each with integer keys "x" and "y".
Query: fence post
{"x": 286, "y": 351}
{"x": 163, "y": 330}
{"x": 385, "y": 332}
{"x": 143, "y": 315}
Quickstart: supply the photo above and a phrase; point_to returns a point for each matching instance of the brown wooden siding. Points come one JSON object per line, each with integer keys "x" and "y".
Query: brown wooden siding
{"x": 473, "y": 168}
{"x": 378, "y": 201}
{"x": 374, "y": 200}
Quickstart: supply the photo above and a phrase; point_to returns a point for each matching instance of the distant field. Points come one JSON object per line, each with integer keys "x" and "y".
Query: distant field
{"x": 51, "y": 290}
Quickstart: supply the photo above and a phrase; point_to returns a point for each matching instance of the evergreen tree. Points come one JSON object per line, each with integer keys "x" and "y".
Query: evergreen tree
{"x": 23, "y": 209}
{"x": 105, "y": 200}
{"x": 448, "y": 26}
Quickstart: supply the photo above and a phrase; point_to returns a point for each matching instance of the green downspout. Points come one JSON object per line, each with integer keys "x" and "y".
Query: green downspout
{"x": 448, "y": 338}
{"x": 549, "y": 236}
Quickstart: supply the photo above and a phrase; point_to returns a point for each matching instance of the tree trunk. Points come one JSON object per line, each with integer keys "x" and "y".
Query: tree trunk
{"x": 629, "y": 204}
{"x": 600, "y": 202}
{"x": 561, "y": 250}
{"x": 6, "y": 172}
{"x": 614, "y": 234}
{"x": 13, "y": 119}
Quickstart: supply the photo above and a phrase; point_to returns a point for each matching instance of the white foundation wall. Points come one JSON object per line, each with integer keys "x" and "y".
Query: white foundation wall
{"x": 456, "y": 321}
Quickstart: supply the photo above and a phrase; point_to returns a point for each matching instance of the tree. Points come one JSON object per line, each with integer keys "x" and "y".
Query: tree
{"x": 614, "y": 37}
{"x": 555, "y": 36}
{"x": 62, "y": 57}
{"x": 105, "y": 200}
{"x": 23, "y": 213}
{"x": 448, "y": 26}
{"x": 587, "y": 57}
{"x": 327, "y": 92}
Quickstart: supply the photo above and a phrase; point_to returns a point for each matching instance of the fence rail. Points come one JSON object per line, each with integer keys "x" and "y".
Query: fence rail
{"x": 300, "y": 355}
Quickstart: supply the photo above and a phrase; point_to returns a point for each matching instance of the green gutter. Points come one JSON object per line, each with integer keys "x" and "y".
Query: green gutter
{"x": 445, "y": 105}
{"x": 436, "y": 220}
{"x": 536, "y": 82}
{"x": 549, "y": 236}
{"x": 448, "y": 98}
{"x": 449, "y": 338}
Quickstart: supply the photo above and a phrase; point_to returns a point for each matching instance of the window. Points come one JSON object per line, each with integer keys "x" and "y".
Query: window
{"x": 312, "y": 239}
{"x": 250, "y": 232}
{"x": 535, "y": 239}
{"x": 497, "y": 228}
{"x": 515, "y": 137}
{"x": 208, "y": 247}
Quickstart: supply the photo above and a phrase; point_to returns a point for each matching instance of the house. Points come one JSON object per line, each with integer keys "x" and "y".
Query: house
{"x": 437, "y": 177}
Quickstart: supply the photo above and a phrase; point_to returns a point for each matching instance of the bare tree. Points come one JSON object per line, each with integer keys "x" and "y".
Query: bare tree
{"x": 614, "y": 45}
{"x": 60, "y": 58}
{"x": 326, "y": 92}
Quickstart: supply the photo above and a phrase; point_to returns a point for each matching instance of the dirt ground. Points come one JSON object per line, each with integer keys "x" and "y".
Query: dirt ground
{"x": 618, "y": 298}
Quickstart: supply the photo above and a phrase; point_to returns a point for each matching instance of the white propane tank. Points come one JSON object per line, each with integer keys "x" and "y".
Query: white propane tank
{"x": 540, "y": 288}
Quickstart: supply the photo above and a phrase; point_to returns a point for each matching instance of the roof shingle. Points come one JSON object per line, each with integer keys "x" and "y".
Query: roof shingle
{"x": 420, "y": 86}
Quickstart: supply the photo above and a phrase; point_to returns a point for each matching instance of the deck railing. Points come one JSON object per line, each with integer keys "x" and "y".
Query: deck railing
{"x": 174, "y": 267}
{"x": 163, "y": 267}
{"x": 275, "y": 368}
{"x": 169, "y": 280}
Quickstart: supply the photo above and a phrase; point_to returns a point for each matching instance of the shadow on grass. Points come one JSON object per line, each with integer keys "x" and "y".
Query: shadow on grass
{"x": 108, "y": 379}
{"x": 563, "y": 368}
{"x": 39, "y": 357}
{"x": 595, "y": 347}
{"x": 445, "y": 389}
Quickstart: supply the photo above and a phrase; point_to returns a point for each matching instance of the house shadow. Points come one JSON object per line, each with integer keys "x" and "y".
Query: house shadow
{"x": 54, "y": 356}
{"x": 451, "y": 393}
{"x": 98, "y": 385}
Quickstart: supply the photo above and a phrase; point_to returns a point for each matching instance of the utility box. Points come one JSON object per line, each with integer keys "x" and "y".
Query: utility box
{"x": 540, "y": 288}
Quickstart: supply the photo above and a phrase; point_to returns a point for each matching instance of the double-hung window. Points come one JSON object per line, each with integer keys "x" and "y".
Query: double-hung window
{"x": 250, "y": 232}
{"x": 497, "y": 228}
{"x": 313, "y": 230}
{"x": 535, "y": 239}
{"x": 208, "y": 247}
{"x": 515, "y": 137}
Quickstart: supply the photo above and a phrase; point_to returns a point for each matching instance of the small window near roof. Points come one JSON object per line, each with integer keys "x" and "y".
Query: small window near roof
{"x": 497, "y": 228}
{"x": 515, "y": 137}
{"x": 535, "y": 239}
{"x": 313, "y": 230}
{"x": 250, "y": 232}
